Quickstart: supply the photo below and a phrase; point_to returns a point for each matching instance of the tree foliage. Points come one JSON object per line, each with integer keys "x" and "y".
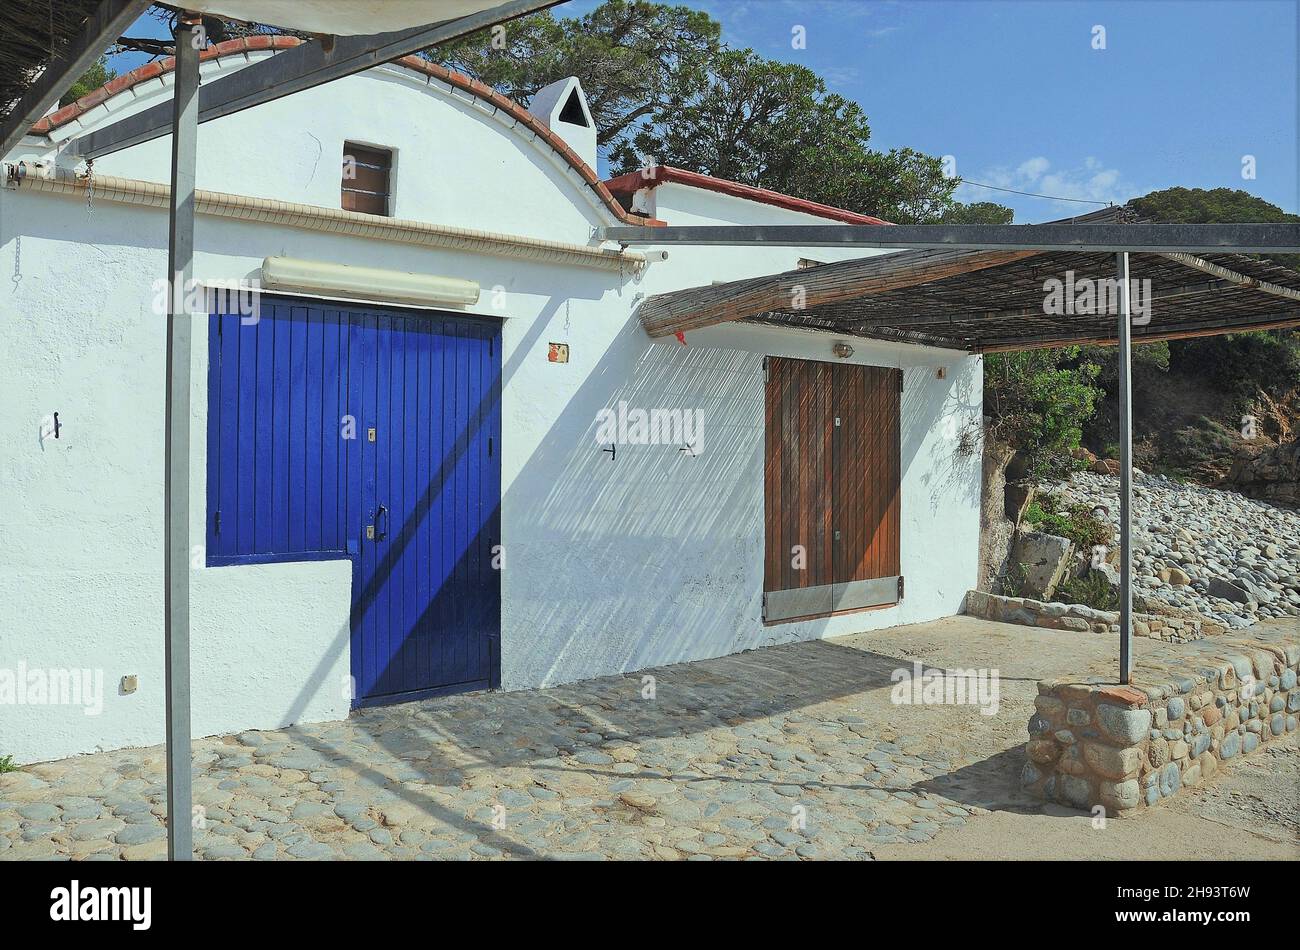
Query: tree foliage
{"x": 663, "y": 89}
{"x": 94, "y": 77}
{"x": 1212, "y": 206}
{"x": 1038, "y": 401}
{"x": 979, "y": 212}
{"x": 1241, "y": 365}
{"x": 624, "y": 52}
{"x": 1238, "y": 365}
{"x": 1215, "y": 206}
{"x": 774, "y": 125}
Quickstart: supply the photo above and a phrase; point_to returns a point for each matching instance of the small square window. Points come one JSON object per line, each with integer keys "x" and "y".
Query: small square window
{"x": 366, "y": 178}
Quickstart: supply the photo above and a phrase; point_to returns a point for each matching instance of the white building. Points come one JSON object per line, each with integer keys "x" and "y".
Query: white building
{"x": 330, "y": 570}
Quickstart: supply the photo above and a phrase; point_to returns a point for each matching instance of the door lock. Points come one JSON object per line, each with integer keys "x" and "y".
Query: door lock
{"x": 370, "y": 434}
{"x": 370, "y": 532}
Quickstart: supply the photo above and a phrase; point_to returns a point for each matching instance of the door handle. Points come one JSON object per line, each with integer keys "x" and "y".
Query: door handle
{"x": 380, "y": 532}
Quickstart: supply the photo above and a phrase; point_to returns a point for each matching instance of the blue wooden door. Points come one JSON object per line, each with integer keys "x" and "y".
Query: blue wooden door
{"x": 373, "y": 435}
{"x": 426, "y": 590}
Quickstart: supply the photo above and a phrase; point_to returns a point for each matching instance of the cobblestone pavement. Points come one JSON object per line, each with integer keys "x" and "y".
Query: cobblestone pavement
{"x": 788, "y": 752}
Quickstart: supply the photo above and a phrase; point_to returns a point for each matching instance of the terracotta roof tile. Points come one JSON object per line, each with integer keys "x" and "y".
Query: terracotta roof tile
{"x": 624, "y": 186}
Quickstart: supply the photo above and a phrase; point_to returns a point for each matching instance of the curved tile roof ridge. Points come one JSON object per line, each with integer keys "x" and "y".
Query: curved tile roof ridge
{"x": 249, "y": 44}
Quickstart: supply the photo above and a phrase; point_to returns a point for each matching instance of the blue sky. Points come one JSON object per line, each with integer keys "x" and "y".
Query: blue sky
{"x": 1017, "y": 94}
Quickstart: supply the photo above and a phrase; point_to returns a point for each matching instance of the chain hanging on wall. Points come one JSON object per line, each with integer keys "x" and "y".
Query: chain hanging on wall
{"x": 90, "y": 186}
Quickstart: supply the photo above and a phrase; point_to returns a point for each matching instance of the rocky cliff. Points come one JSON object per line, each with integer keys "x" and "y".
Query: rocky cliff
{"x": 1273, "y": 474}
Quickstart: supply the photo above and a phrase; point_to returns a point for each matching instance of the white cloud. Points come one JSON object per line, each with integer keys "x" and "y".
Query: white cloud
{"x": 1033, "y": 169}
{"x": 837, "y": 77}
{"x": 1089, "y": 179}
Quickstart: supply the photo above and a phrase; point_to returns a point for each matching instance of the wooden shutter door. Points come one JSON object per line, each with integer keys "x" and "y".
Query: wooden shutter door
{"x": 831, "y": 488}
{"x": 797, "y": 487}
{"x": 865, "y": 486}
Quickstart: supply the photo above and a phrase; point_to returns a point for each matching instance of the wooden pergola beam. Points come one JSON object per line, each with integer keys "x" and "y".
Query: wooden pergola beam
{"x": 101, "y": 30}
{"x": 665, "y": 314}
{"x": 833, "y": 295}
{"x": 1233, "y": 277}
{"x": 1184, "y": 332}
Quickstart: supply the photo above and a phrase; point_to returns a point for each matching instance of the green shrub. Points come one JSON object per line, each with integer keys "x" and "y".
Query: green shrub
{"x": 1075, "y": 522}
{"x": 1146, "y": 356}
{"x": 1092, "y": 589}
{"x": 1241, "y": 365}
{"x": 1012, "y": 583}
{"x": 94, "y": 77}
{"x": 1038, "y": 401}
{"x": 7, "y": 764}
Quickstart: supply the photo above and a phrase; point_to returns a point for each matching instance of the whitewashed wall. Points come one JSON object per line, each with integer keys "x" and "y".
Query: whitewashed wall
{"x": 611, "y": 566}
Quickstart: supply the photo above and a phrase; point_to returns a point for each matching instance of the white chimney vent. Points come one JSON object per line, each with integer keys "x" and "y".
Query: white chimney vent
{"x": 562, "y": 108}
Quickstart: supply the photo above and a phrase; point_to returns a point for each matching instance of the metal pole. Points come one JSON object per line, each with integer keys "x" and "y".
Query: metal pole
{"x": 1058, "y": 236}
{"x": 1125, "y": 472}
{"x": 176, "y": 600}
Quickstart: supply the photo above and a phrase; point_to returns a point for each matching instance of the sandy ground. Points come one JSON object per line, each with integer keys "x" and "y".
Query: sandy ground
{"x": 1250, "y": 811}
{"x": 1230, "y": 818}
{"x": 714, "y": 766}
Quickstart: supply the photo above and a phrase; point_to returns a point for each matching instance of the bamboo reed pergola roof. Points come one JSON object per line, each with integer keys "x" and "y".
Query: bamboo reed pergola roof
{"x": 994, "y": 300}
{"x": 34, "y": 30}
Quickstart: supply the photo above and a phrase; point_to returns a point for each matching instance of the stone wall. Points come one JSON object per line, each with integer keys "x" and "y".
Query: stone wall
{"x": 1190, "y": 709}
{"x": 1053, "y": 616}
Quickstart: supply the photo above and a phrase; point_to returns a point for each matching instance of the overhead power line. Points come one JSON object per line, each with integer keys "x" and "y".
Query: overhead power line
{"x": 1031, "y": 194}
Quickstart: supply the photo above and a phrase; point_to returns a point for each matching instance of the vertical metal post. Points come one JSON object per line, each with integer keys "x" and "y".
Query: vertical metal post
{"x": 176, "y": 600}
{"x": 1125, "y": 472}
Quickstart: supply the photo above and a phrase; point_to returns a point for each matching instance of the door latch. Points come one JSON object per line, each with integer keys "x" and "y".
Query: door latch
{"x": 370, "y": 434}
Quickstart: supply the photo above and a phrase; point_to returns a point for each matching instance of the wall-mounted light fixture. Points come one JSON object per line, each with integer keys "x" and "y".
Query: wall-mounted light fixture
{"x": 842, "y": 350}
